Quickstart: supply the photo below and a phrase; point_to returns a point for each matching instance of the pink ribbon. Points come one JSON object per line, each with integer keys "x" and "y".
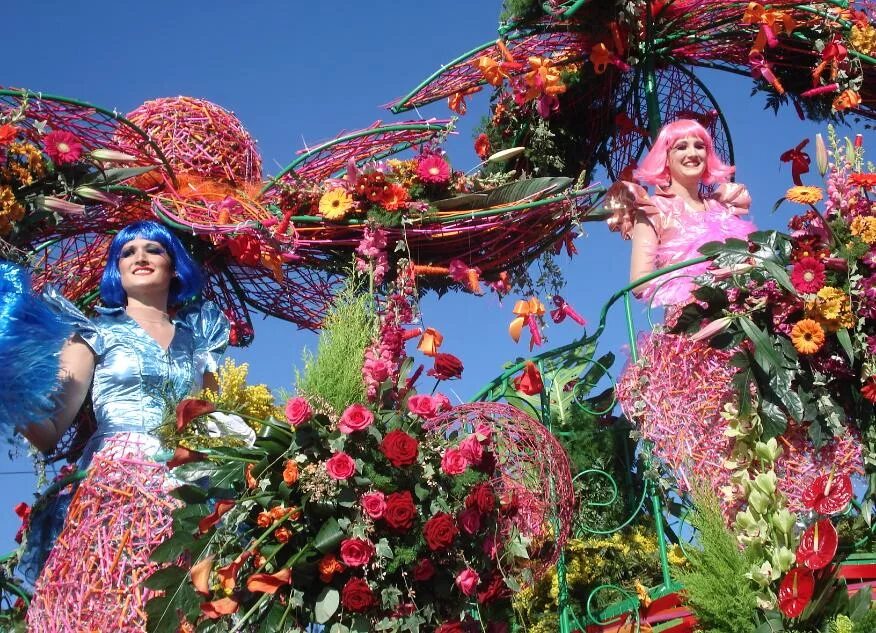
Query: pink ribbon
{"x": 564, "y": 310}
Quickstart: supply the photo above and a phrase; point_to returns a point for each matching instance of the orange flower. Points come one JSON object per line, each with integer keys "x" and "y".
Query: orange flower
{"x": 804, "y": 194}
{"x": 490, "y": 69}
{"x": 863, "y": 180}
{"x": 269, "y": 583}
{"x": 264, "y": 520}
{"x": 846, "y": 100}
{"x": 807, "y": 336}
{"x": 218, "y": 608}
{"x": 251, "y": 482}
{"x": 200, "y": 574}
{"x": 328, "y": 566}
{"x": 456, "y": 101}
{"x": 394, "y": 197}
{"x": 7, "y": 133}
{"x": 600, "y": 57}
{"x": 290, "y": 472}
{"x": 283, "y": 534}
{"x": 228, "y": 573}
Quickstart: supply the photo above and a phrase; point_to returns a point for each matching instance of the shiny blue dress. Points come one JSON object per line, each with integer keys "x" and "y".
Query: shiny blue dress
{"x": 135, "y": 381}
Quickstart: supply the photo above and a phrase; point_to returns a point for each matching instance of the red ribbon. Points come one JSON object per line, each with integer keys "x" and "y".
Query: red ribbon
{"x": 799, "y": 161}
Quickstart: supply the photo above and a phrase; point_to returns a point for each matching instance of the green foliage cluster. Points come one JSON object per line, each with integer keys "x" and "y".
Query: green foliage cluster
{"x": 724, "y": 600}
{"x": 334, "y": 373}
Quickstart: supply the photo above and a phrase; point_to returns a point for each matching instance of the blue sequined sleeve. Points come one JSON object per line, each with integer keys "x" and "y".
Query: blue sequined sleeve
{"x": 211, "y": 329}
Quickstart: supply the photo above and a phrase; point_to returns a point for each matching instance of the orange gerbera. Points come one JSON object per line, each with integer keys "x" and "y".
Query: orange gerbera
{"x": 863, "y": 180}
{"x": 803, "y": 194}
{"x": 807, "y": 336}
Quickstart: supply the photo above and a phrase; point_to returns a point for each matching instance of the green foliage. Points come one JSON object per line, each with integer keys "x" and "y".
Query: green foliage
{"x": 334, "y": 373}
{"x": 723, "y": 599}
{"x": 866, "y": 624}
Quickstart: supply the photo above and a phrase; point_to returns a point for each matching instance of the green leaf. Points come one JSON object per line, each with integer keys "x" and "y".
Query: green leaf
{"x": 115, "y": 175}
{"x": 846, "y": 341}
{"x": 328, "y": 537}
{"x": 762, "y": 343}
{"x": 166, "y": 578}
{"x": 327, "y": 604}
{"x": 170, "y": 550}
{"x": 773, "y": 417}
{"x": 778, "y": 204}
{"x": 779, "y": 274}
{"x": 189, "y": 493}
{"x": 531, "y": 189}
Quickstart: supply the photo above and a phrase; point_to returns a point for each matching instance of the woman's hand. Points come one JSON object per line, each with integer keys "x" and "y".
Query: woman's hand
{"x": 77, "y": 371}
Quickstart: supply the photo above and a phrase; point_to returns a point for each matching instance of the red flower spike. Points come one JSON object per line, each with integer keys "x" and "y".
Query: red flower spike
{"x": 191, "y": 408}
{"x": 818, "y": 545}
{"x": 828, "y": 494}
{"x": 529, "y": 382}
{"x": 222, "y": 506}
{"x": 796, "y": 591}
{"x": 269, "y": 583}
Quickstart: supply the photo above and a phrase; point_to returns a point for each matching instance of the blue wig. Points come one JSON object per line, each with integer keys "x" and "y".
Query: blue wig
{"x": 187, "y": 282}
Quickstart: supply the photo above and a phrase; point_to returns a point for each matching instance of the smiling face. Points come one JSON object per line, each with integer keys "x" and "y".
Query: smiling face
{"x": 145, "y": 267}
{"x": 687, "y": 160}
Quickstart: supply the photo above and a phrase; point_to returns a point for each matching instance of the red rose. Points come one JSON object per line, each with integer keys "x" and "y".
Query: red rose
{"x": 373, "y": 504}
{"x": 470, "y": 520}
{"x": 450, "y": 627}
{"x": 453, "y": 462}
{"x": 447, "y": 367}
{"x": 298, "y": 411}
{"x": 245, "y": 249}
{"x": 355, "y": 418}
{"x": 340, "y": 466}
{"x": 356, "y": 596}
{"x": 472, "y": 450}
{"x": 495, "y": 589}
{"x": 399, "y": 448}
{"x": 440, "y": 531}
{"x": 423, "y": 570}
{"x": 400, "y": 510}
{"x": 356, "y": 552}
{"x": 482, "y": 498}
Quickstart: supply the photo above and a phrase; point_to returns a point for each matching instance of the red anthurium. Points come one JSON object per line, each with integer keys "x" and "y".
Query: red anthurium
{"x": 269, "y": 583}
{"x": 222, "y": 506}
{"x": 818, "y": 545}
{"x": 218, "y": 608}
{"x": 828, "y": 494}
{"x": 183, "y": 455}
{"x": 529, "y": 382}
{"x": 796, "y": 591}
{"x": 191, "y": 408}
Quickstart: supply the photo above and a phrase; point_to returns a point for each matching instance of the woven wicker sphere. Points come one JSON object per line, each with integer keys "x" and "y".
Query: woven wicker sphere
{"x": 201, "y": 139}
{"x": 531, "y": 468}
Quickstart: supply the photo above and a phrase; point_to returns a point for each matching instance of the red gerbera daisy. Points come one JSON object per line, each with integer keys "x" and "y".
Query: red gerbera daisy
{"x": 863, "y": 180}
{"x": 62, "y": 147}
{"x": 808, "y": 275}
{"x": 869, "y": 389}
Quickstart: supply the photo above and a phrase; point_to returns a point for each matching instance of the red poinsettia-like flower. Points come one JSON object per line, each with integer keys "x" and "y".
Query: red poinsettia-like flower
{"x": 828, "y": 494}
{"x": 808, "y": 275}
{"x": 529, "y": 382}
{"x": 818, "y": 545}
{"x": 62, "y": 147}
{"x": 796, "y": 591}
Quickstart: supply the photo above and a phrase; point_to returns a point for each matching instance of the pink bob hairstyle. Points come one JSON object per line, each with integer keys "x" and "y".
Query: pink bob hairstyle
{"x": 654, "y": 169}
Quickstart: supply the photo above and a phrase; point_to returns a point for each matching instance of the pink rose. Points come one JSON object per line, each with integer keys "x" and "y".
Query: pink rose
{"x": 442, "y": 402}
{"x": 355, "y": 418}
{"x": 470, "y": 521}
{"x": 472, "y": 450}
{"x": 423, "y": 405}
{"x": 356, "y": 552}
{"x": 489, "y": 546}
{"x": 340, "y": 466}
{"x": 467, "y": 580}
{"x": 298, "y": 411}
{"x": 484, "y": 433}
{"x": 377, "y": 368}
{"x": 453, "y": 462}
{"x": 373, "y": 504}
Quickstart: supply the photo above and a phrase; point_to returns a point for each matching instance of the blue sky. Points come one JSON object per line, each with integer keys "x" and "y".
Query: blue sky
{"x": 298, "y": 73}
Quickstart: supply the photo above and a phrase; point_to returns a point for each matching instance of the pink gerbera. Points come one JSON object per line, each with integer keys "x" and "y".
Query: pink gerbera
{"x": 63, "y": 147}
{"x": 808, "y": 275}
{"x": 433, "y": 169}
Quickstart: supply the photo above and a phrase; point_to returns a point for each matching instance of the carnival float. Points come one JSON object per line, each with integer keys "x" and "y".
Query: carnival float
{"x": 720, "y": 482}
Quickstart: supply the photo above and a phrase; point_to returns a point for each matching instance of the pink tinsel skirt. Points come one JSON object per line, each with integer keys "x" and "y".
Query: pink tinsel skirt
{"x": 119, "y": 514}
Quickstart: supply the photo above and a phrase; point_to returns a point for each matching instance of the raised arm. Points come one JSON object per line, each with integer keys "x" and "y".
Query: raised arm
{"x": 77, "y": 370}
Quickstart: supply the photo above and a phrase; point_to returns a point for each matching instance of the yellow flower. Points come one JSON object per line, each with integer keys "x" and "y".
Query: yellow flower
{"x": 334, "y": 204}
{"x": 255, "y": 401}
{"x": 807, "y": 336}
{"x": 804, "y": 194}
{"x": 831, "y": 309}
{"x": 864, "y": 226}
{"x": 863, "y": 39}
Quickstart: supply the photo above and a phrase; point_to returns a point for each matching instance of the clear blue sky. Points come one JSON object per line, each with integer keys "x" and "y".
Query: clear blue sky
{"x": 300, "y": 72}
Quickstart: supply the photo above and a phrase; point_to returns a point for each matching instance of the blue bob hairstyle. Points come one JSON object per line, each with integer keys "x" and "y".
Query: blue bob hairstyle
{"x": 186, "y": 283}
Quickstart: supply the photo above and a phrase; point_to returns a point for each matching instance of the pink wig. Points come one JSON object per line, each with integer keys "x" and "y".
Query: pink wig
{"x": 654, "y": 169}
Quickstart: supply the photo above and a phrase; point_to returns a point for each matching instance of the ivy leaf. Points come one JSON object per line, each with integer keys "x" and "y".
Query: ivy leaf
{"x": 327, "y": 604}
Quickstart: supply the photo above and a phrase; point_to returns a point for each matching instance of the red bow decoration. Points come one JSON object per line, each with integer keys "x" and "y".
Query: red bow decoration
{"x": 527, "y": 312}
{"x": 564, "y": 310}
{"x": 470, "y": 277}
{"x": 799, "y": 161}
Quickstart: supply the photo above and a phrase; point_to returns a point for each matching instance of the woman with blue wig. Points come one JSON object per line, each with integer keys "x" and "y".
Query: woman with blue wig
{"x": 151, "y": 344}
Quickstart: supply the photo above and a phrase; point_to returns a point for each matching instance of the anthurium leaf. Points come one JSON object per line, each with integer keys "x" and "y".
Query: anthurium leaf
{"x": 860, "y": 603}
{"x": 846, "y": 341}
{"x": 531, "y": 189}
{"x": 189, "y": 493}
{"x": 327, "y": 604}
{"x": 169, "y": 577}
{"x": 329, "y": 536}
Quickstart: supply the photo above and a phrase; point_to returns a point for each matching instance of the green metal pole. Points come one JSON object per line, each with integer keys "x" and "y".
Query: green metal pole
{"x": 650, "y": 79}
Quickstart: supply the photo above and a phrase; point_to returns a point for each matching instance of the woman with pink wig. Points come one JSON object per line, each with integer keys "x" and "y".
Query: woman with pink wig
{"x": 670, "y": 226}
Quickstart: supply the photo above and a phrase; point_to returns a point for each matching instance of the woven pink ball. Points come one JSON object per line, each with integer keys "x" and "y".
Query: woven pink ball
{"x": 199, "y": 138}
{"x": 531, "y": 468}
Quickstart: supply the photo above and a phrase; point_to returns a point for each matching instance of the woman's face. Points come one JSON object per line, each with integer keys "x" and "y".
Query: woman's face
{"x": 687, "y": 159}
{"x": 145, "y": 266}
